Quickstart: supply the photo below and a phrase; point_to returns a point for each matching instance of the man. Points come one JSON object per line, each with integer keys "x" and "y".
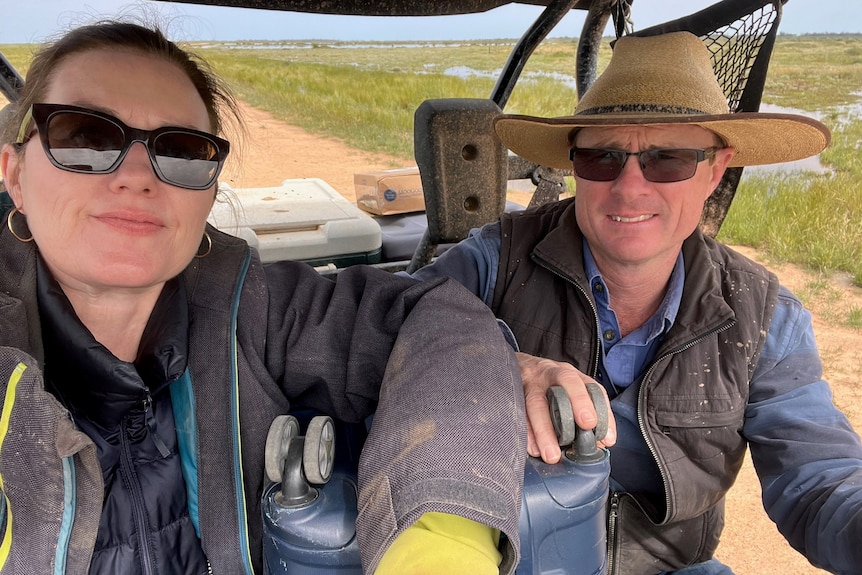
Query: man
{"x": 700, "y": 350}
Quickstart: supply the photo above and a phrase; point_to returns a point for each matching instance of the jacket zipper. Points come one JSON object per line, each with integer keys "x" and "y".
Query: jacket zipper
{"x": 150, "y": 419}
{"x": 613, "y": 512}
{"x": 613, "y": 497}
{"x": 127, "y": 467}
{"x": 239, "y": 483}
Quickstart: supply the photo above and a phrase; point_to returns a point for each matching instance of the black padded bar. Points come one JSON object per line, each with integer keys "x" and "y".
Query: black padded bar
{"x": 528, "y": 43}
{"x": 11, "y": 82}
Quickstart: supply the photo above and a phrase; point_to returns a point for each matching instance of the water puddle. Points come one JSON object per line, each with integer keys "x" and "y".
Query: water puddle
{"x": 465, "y": 72}
{"x": 811, "y": 164}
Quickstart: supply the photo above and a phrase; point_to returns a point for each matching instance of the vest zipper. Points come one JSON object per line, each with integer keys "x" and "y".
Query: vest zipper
{"x": 127, "y": 467}
{"x": 613, "y": 513}
{"x": 597, "y": 356}
{"x": 613, "y": 501}
{"x": 641, "y": 405}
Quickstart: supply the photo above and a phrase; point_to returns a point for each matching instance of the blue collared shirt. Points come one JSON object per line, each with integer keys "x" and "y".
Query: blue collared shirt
{"x": 624, "y": 359}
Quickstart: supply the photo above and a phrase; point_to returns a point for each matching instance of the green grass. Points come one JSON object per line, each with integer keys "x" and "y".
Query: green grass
{"x": 854, "y": 317}
{"x": 371, "y": 109}
{"x": 807, "y": 218}
{"x": 815, "y": 72}
{"x": 19, "y": 55}
{"x": 366, "y": 94}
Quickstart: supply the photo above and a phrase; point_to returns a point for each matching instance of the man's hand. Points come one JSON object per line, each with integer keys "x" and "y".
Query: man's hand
{"x": 540, "y": 374}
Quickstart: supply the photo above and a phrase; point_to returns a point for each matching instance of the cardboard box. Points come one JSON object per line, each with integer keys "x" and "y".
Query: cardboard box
{"x": 390, "y": 191}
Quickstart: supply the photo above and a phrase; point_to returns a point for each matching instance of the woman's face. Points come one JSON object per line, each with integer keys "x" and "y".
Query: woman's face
{"x": 126, "y": 229}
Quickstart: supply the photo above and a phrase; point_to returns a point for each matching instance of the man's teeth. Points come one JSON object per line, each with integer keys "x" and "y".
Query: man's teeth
{"x": 631, "y": 220}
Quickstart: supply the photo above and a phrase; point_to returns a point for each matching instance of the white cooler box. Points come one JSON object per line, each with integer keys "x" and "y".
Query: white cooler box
{"x": 303, "y": 220}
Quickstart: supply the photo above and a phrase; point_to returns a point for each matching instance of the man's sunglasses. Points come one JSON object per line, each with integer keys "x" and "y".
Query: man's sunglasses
{"x": 661, "y": 165}
{"x": 89, "y": 142}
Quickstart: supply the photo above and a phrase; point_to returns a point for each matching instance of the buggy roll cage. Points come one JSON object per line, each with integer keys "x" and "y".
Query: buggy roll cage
{"x": 464, "y": 168}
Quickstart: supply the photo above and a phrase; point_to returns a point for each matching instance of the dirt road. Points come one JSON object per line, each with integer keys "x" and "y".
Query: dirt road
{"x": 751, "y": 544}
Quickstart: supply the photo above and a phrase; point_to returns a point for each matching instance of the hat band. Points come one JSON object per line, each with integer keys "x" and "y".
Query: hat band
{"x": 641, "y": 108}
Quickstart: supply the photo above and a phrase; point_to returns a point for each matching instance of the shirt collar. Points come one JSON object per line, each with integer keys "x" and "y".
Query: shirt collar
{"x": 664, "y": 317}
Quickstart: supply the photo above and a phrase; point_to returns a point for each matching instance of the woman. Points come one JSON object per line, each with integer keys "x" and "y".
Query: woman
{"x": 144, "y": 354}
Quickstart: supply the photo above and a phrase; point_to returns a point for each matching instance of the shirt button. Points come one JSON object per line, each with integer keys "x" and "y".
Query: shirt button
{"x": 598, "y": 287}
{"x": 609, "y": 335}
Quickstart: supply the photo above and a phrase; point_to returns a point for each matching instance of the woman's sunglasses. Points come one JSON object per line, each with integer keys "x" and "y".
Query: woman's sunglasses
{"x": 89, "y": 142}
{"x": 661, "y": 165}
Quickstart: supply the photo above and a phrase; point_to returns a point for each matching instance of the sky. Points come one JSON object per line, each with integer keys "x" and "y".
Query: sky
{"x": 27, "y": 21}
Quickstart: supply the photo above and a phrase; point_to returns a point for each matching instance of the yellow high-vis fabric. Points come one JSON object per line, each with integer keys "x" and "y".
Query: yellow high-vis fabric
{"x": 443, "y": 543}
{"x": 8, "y": 404}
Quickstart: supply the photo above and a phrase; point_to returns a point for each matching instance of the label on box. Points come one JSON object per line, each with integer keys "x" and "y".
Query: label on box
{"x": 390, "y": 191}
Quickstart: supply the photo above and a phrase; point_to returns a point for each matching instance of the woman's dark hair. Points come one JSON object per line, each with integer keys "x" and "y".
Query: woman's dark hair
{"x": 112, "y": 34}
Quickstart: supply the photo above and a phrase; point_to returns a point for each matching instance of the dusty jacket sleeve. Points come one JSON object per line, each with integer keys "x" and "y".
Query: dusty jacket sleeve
{"x": 808, "y": 457}
{"x": 449, "y": 431}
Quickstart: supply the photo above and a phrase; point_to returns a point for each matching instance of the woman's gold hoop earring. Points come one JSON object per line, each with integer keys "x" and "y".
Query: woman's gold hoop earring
{"x": 12, "y": 230}
{"x": 209, "y": 246}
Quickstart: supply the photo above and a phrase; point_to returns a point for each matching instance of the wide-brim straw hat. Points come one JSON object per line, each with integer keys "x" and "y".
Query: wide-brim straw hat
{"x": 661, "y": 80}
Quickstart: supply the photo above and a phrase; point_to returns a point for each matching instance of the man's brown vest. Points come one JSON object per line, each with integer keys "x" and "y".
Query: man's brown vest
{"x": 692, "y": 397}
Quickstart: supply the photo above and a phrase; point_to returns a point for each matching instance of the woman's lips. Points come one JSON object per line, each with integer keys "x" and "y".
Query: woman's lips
{"x": 139, "y": 223}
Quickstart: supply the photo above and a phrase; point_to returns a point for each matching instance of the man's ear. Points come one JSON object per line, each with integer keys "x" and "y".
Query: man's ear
{"x": 718, "y": 165}
{"x": 10, "y": 171}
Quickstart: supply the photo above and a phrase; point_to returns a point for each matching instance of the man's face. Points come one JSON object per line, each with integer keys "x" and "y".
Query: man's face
{"x": 631, "y": 222}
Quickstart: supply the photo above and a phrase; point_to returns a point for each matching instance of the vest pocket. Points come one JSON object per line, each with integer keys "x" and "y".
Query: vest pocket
{"x": 703, "y": 436}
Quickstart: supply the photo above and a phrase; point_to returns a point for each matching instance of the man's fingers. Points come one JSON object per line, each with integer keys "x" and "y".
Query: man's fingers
{"x": 541, "y": 427}
{"x": 582, "y": 404}
{"x": 539, "y": 375}
{"x": 532, "y": 445}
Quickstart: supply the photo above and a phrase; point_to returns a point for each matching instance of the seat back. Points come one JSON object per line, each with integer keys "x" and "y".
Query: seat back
{"x": 463, "y": 169}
